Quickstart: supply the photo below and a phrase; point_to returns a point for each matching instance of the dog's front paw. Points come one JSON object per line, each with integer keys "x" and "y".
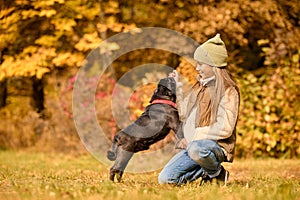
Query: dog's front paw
{"x": 111, "y": 155}
{"x": 115, "y": 174}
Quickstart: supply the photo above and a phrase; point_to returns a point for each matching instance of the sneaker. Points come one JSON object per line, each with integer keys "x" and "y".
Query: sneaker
{"x": 221, "y": 178}
{"x": 205, "y": 179}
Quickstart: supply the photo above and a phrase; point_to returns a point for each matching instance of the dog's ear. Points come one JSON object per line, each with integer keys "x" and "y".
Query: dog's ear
{"x": 163, "y": 93}
{"x": 173, "y": 98}
{"x": 168, "y": 83}
{"x": 167, "y": 92}
{"x": 154, "y": 96}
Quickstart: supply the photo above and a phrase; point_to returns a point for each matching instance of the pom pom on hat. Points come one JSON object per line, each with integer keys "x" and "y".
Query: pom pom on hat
{"x": 212, "y": 52}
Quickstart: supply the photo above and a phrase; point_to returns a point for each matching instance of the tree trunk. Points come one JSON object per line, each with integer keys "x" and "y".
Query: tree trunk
{"x": 38, "y": 94}
{"x": 3, "y": 93}
{"x": 127, "y": 5}
{"x": 174, "y": 61}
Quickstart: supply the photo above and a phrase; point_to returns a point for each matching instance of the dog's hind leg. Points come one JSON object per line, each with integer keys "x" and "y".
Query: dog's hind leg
{"x": 121, "y": 162}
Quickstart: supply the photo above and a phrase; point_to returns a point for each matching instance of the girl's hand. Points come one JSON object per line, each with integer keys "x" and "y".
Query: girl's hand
{"x": 181, "y": 144}
{"x": 175, "y": 75}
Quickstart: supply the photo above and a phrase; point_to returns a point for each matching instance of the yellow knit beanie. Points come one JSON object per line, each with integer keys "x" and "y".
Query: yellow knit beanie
{"x": 212, "y": 52}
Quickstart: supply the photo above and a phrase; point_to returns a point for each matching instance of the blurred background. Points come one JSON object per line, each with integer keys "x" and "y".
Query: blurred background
{"x": 44, "y": 43}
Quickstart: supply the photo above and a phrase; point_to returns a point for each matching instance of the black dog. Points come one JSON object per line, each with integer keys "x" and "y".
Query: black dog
{"x": 152, "y": 126}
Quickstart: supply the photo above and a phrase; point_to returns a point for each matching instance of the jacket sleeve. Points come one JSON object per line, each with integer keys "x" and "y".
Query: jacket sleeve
{"x": 182, "y": 100}
{"x": 227, "y": 115}
{"x": 179, "y": 131}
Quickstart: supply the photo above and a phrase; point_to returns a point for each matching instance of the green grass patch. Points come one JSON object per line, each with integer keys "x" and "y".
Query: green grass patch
{"x": 25, "y": 175}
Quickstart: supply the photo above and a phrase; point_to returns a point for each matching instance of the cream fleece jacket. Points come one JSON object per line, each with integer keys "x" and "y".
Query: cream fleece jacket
{"x": 224, "y": 126}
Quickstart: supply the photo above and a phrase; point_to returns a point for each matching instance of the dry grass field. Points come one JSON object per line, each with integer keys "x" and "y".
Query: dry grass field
{"x": 27, "y": 175}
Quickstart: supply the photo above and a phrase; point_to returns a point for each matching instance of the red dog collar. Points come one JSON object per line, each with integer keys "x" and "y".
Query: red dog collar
{"x": 171, "y": 103}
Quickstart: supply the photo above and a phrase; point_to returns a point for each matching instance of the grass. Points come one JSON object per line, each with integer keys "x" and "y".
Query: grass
{"x": 27, "y": 175}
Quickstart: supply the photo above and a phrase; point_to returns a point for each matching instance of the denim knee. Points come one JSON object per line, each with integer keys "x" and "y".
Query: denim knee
{"x": 198, "y": 152}
{"x": 164, "y": 178}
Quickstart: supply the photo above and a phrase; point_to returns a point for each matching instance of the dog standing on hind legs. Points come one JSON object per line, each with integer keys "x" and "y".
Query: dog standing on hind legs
{"x": 153, "y": 125}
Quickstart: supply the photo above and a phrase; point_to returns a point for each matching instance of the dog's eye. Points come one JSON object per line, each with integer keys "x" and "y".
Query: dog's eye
{"x": 155, "y": 91}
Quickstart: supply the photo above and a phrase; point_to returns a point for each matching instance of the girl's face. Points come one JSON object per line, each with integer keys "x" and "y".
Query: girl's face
{"x": 205, "y": 71}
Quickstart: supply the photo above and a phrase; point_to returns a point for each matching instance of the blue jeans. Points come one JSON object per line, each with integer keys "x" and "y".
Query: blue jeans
{"x": 201, "y": 157}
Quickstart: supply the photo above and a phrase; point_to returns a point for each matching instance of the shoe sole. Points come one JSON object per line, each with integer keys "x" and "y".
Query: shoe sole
{"x": 226, "y": 177}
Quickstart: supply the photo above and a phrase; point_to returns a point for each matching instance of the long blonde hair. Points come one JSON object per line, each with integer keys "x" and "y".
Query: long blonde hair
{"x": 223, "y": 81}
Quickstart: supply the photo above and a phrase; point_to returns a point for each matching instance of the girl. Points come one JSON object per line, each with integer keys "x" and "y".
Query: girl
{"x": 209, "y": 113}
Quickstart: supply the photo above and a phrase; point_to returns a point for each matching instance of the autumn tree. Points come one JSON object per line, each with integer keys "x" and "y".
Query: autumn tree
{"x": 41, "y": 38}
{"x": 38, "y": 37}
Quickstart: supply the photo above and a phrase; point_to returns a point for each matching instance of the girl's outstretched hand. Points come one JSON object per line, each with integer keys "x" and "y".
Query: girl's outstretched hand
{"x": 175, "y": 75}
